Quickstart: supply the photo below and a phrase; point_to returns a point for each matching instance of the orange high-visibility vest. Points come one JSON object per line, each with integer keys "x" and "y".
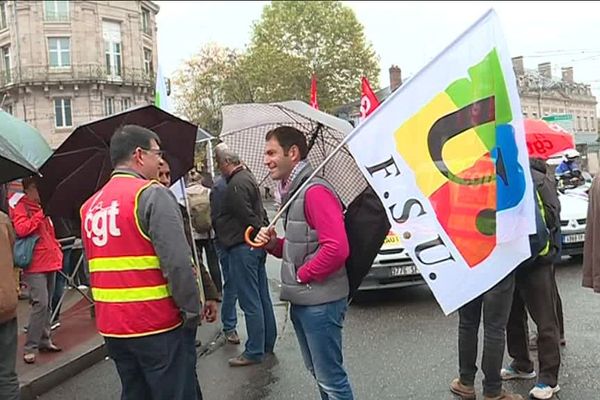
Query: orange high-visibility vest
{"x": 130, "y": 292}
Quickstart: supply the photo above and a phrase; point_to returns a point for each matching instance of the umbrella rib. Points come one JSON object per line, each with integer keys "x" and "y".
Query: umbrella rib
{"x": 78, "y": 151}
{"x": 96, "y": 136}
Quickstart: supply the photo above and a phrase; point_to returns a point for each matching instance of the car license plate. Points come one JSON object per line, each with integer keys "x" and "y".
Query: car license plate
{"x": 391, "y": 240}
{"x": 578, "y": 237}
{"x": 404, "y": 270}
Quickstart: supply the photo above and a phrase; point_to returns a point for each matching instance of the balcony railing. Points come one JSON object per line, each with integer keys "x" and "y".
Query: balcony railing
{"x": 40, "y": 74}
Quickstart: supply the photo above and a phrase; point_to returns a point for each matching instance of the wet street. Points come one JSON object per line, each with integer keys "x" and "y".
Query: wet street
{"x": 398, "y": 345}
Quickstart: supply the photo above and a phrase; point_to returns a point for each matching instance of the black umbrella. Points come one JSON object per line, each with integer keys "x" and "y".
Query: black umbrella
{"x": 81, "y": 165}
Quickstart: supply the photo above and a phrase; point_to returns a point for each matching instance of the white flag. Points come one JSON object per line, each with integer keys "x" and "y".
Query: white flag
{"x": 446, "y": 154}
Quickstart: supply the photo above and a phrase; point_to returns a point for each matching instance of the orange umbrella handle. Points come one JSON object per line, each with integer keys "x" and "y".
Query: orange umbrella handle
{"x": 249, "y": 241}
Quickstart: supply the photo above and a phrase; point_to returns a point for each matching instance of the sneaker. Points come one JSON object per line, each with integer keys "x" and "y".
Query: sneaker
{"x": 232, "y": 337}
{"x": 542, "y": 391}
{"x": 504, "y": 396}
{"x": 465, "y": 392}
{"x": 509, "y": 373}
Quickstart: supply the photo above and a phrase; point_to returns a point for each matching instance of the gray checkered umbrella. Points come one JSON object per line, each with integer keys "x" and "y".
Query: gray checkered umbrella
{"x": 245, "y": 127}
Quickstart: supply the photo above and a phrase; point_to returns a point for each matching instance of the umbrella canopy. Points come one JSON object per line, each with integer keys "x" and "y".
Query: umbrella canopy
{"x": 23, "y": 150}
{"x": 245, "y": 127}
{"x": 545, "y": 140}
{"x": 81, "y": 165}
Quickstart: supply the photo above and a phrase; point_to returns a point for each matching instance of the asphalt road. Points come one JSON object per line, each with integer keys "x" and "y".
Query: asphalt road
{"x": 398, "y": 345}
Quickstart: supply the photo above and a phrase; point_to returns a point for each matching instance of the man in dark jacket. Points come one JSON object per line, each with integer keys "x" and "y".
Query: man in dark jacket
{"x": 228, "y": 309}
{"x": 243, "y": 207}
{"x": 535, "y": 288}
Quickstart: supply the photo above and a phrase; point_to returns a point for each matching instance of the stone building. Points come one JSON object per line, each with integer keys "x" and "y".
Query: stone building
{"x": 543, "y": 95}
{"x": 64, "y": 63}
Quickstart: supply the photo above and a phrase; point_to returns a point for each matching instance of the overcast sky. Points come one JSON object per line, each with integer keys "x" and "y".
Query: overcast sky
{"x": 406, "y": 33}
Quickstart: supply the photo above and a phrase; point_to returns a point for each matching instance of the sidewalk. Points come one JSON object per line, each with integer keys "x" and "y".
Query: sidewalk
{"x": 81, "y": 345}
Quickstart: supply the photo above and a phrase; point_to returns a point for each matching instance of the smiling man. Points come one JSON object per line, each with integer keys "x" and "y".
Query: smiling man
{"x": 314, "y": 252}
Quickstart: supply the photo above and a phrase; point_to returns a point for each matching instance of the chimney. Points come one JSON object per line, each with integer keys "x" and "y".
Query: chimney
{"x": 567, "y": 74}
{"x": 395, "y": 77}
{"x": 545, "y": 70}
{"x": 518, "y": 66}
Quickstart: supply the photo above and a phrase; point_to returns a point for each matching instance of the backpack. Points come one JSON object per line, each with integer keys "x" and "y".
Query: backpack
{"x": 199, "y": 201}
{"x": 539, "y": 242}
{"x": 367, "y": 226}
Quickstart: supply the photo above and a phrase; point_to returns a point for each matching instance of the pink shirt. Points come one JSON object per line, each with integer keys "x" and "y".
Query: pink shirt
{"x": 324, "y": 214}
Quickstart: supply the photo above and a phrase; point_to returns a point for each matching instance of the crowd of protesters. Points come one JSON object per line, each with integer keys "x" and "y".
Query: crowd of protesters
{"x": 139, "y": 247}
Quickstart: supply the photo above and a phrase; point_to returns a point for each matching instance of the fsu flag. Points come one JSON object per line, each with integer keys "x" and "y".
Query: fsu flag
{"x": 313, "y": 93}
{"x": 447, "y": 156}
{"x": 368, "y": 100}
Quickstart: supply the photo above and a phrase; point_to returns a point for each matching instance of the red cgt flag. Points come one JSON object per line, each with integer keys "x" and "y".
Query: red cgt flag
{"x": 368, "y": 100}
{"x": 313, "y": 93}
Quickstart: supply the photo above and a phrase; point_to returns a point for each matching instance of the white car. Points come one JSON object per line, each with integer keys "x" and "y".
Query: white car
{"x": 392, "y": 267}
{"x": 573, "y": 213}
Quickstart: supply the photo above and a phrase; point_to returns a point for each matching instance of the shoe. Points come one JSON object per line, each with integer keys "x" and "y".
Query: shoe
{"x": 29, "y": 358}
{"x": 55, "y": 325}
{"x": 504, "y": 396}
{"x": 465, "y": 392}
{"x": 509, "y": 373}
{"x": 241, "y": 361}
{"x": 51, "y": 348}
{"x": 542, "y": 391}
{"x": 232, "y": 337}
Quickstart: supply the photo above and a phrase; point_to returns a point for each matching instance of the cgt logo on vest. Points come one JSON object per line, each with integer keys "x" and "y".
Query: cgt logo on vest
{"x": 100, "y": 222}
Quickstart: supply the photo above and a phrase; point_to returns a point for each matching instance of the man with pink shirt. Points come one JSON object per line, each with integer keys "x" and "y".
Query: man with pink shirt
{"x": 313, "y": 252}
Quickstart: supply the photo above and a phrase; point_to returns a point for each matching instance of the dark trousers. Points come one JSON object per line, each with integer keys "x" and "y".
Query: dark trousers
{"x": 536, "y": 290}
{"x": 9, "y": 384}
{"x": 212, "y": 260}
{"x": 495, "y": 304}
{"x": 157, "y": 367}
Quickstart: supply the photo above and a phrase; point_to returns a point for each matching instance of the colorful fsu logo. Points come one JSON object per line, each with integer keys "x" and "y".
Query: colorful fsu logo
{"x": 465, "y": 161}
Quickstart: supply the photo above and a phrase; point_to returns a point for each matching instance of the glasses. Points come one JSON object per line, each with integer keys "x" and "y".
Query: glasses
{"x": 158, "y": 152}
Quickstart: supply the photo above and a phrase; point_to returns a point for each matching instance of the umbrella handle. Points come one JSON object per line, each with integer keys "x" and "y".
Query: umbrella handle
{"x": 249, "y": 241}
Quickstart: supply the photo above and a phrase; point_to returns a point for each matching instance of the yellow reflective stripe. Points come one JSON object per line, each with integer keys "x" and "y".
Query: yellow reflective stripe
{"x": 546, "y": 248}
{"x": 135, "y": 209}
{"x": 127, "y": 295}
{"x": 107, "y": 264}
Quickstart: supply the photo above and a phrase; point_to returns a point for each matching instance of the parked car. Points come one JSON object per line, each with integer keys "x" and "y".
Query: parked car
{"x": 392, "y": 268}
{"x": 573, "y": 215}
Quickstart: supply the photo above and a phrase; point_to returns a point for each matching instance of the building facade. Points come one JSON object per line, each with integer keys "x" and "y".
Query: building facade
{"x": 543, "y": 95}
{"x": 65, "y": 63}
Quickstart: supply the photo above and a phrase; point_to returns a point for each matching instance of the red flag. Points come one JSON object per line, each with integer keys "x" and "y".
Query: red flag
{"x": 313, "y": 93}
{"x": 368, "y": 100}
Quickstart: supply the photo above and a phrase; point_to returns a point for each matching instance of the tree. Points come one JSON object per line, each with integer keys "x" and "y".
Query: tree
{"x": 292, "y": 40}
{"x": 201, "y": 83}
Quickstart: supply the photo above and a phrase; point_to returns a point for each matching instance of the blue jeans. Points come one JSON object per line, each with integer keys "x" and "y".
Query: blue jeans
{"x": 228, "y": 312}
{"x": 152, "y": 367}
{"x": 61, "y": 281}
{"x": 319, "y": 332}
{"x": 250, "y": 278}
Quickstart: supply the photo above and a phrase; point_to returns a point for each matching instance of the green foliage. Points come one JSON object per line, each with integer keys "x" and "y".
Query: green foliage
{"x": 294, "y": 39}
{"x": 289, "y": 42}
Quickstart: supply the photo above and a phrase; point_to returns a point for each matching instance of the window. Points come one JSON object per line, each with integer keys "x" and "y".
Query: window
{"x": 59, "y": 52}
{"x": 109, "y": 105}
{"x": 125, "y": 103}
{"x": 56, "y": 10}
{"x": 578, "y": 123}
{"x": 3, "y": 15}
{"x": 8, "y": 108}
{"x": 112, "y": 48}
{"x": 585, "y": 124}
{"x": 146, "y": 21}
{"x": 62, "y": 113}
{"x": 524, "y": 115}
{"x": 148, "y": 70}
{"x": 5, "y": 54}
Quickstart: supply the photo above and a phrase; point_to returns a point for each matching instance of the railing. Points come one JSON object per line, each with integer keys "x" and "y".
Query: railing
{"x": 75, "y": 73}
